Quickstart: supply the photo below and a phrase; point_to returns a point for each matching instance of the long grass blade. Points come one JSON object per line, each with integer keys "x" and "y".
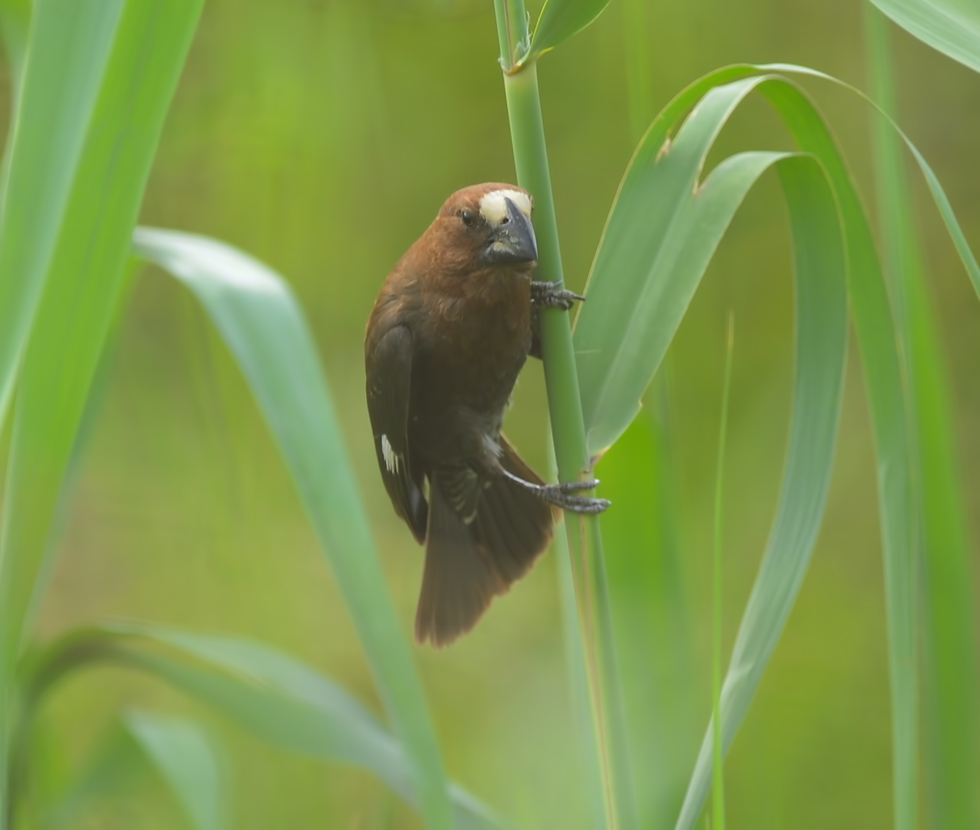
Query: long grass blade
{"x": 820, "y": 350}
{"x": 653, "y": 618}
{"x": 647, "y": 575}
{"x": 73, "y": 259}
{"x": 718, "y": 790}
{"x": 932, "y": 181}
{"x": 951, "y": 684}
{"x": 955, "y": 649}
{"x": 268, "y": 693}
{"x": 951, "y": 26}
{"x": 256, "y": 314}
{"x": 559, "y": 20}
{"x": 660, "y": 236}
{"x": 84, "y": 280}
{"x": 658, "y": 240}
{"x": 892, "y": 425}
{"x": 877, "y": 339}
{"x": 186, "y": 759}
{"x": 114, "y": 765}
{"x": 70, "y": 46}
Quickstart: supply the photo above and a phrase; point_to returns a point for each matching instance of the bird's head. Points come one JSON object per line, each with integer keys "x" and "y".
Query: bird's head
{"x": 489, "y": 224}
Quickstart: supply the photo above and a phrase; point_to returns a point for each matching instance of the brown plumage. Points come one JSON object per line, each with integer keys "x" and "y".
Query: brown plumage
{"x": 448, "y": 335}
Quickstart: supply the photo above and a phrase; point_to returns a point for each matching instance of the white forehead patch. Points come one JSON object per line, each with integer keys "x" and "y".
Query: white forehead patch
{"x": 494, "y": 208}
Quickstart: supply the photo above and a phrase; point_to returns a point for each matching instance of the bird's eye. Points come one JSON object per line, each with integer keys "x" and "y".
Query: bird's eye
{"x": 468, "y": 218}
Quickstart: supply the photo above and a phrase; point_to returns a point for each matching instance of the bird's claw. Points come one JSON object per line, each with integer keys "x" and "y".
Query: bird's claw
{"x": 552, "y": 295}
{"x": 560, "y": 496}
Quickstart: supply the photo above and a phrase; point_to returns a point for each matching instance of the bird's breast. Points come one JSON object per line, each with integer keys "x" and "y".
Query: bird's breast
{"x": 477, "y": 342}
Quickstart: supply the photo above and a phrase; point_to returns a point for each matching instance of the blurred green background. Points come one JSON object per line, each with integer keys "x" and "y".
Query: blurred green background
{"x": 322, "y": 136}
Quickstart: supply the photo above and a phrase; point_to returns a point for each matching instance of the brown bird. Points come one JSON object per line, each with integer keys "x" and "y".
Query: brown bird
{"x": 449, "y": 333}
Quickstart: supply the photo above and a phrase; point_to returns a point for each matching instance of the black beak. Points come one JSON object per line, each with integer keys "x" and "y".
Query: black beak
{"x": 512, "y": 241}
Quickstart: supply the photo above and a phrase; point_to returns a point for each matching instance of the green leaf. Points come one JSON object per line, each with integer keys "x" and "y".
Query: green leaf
{"x": 97, "y": 87}
{"x": 255, "y": 312}
{"x": 889, "y": 411}
{"x": 951, "y": 672}
{"x": 951, "y": 26}
{"x": 559, "y": 20}
{"x": 182, "y": 752}
{"x": 718, "y": 767}
{"x": 71, "y": 44}
{"x": 268, "y": 693}
{"x": 932, "y": 181}
{"x": 177, "y": 748}
{"x": 662, "y": 231}
{"x": 85, "y": 259}
{"x": 948, "y": 621}
{"x": 653, "y": 620}
{"x": 112, "y": 767}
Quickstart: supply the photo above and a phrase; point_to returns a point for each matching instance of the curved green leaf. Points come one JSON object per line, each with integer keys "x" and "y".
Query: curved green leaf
{"x": 821, "y": 316}
{"x": 952, "y": 673}
{"x": 268, "y": 693}
{"x": 663, "y": 230}
{"x": 661, "y": 234}
{"x": 181, "y": 750}
{"x": 255, "y": 312}
{"x": 951, "y": 26}
{"x": 932, "y": 181}
{"x": 559, "y": 20}
{"x": 889, "y": 412}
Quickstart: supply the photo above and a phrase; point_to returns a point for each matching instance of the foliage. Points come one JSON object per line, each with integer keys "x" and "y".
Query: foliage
{"x": 93, "y": 84}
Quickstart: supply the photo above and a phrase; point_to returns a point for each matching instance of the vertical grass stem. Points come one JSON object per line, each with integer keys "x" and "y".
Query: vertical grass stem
{"x": 567, "y": 422}
{"x": 718, "y": 784}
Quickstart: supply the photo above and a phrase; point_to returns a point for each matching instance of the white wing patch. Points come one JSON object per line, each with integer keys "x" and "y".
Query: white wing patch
{"x": 494, "y": 208}
{"x": 392, "y": 459}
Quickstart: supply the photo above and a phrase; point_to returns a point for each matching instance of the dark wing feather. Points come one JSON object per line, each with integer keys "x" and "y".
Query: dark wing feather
{"x": 483, "y": 535}
{"x": 389, "y": 394}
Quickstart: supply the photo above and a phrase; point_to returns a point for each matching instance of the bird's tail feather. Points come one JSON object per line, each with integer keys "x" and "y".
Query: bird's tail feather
{"x": 466, "y": 565}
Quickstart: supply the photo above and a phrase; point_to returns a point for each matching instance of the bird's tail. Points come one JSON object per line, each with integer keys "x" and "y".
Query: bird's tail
{"x": 467, "y": 565}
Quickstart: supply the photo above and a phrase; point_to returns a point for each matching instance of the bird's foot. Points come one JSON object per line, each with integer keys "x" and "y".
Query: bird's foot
{"x": 562, "y": 495}
{"x": 552, "y": 295}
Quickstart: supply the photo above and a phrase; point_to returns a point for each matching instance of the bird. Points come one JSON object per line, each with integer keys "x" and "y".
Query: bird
{"x": 451, "y": 329}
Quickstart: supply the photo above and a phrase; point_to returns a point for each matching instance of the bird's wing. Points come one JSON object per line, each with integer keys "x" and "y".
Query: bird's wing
{"x": 461, "y": 488}
{"x": 389, "y": 396}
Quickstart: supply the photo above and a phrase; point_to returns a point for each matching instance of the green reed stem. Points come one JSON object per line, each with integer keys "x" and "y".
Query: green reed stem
{"x": 567, "y": 422}
{"x": 718, "y": 784}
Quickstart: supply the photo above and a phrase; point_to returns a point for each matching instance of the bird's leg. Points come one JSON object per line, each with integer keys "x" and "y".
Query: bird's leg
{"x": 561, "y": 496}
{"x": 552, "y": 295}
